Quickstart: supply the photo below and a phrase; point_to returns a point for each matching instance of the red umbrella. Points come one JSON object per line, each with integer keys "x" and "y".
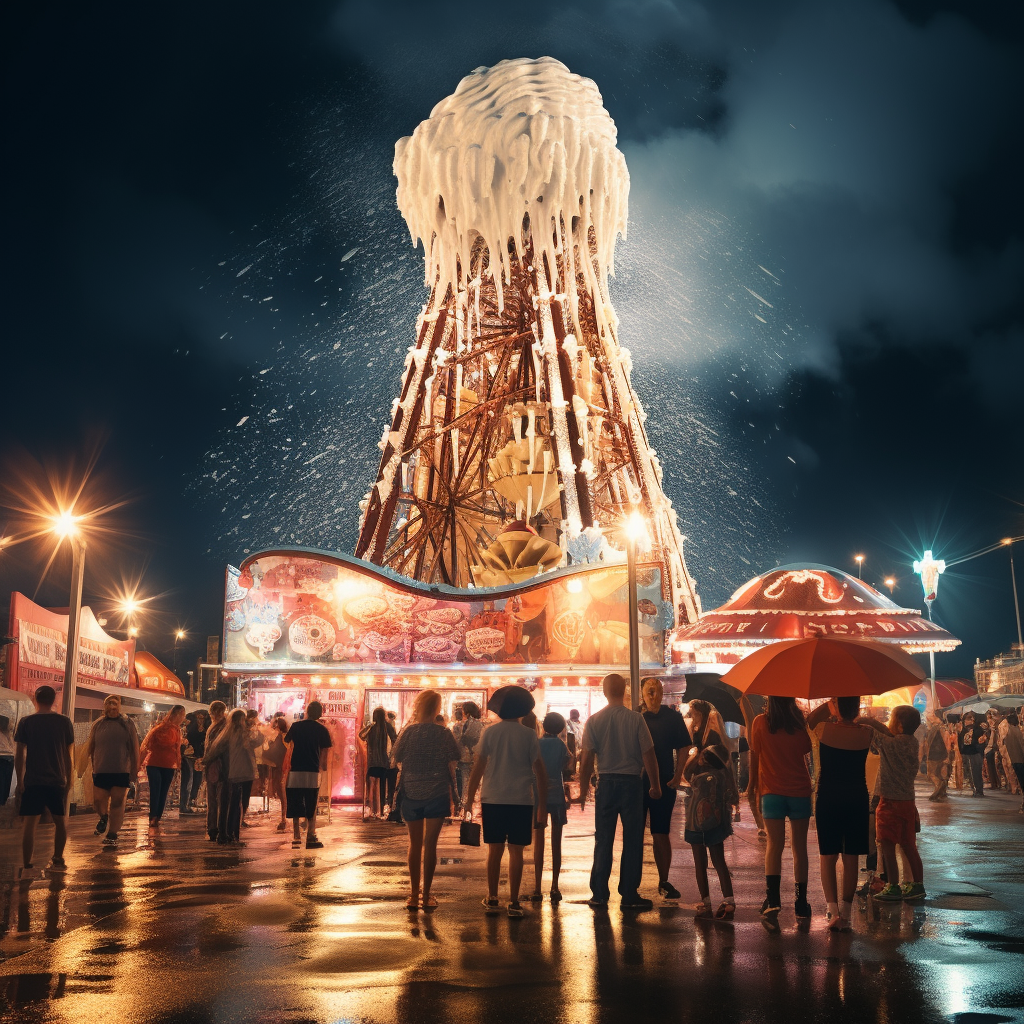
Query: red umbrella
{"x": 824, "y": 668}
{"x": 949, "y": 691}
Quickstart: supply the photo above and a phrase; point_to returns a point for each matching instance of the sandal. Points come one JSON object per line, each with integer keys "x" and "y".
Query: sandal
{"x": 491, "y": 907}
{"x": 282, "y": 826}
{"x": 430, "y": 903}
{"x": 514, "y": 909}
{"x": 535, "y": 897}
{"x": 702, "y": 911}
{"x": 556, "y": 896}
{"x": 726, "y": 911}
{"x": 412, "y": 903}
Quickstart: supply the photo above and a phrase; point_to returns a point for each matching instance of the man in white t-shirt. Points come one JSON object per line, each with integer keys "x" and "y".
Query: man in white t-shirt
{"x": 621, "y": 742}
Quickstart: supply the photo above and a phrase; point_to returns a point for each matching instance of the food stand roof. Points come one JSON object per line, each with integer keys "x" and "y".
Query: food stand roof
{"x": 809, "y": 600}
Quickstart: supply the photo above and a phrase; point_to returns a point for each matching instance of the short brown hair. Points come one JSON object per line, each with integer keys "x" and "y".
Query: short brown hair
{"x": 908, "y": 717}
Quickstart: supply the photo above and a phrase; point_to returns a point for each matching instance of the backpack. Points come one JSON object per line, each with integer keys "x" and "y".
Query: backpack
{"x": 706, "y": 813}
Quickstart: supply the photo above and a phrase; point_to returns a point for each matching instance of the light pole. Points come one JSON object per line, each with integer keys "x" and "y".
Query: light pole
{"x": 929, "y": 569}
{"x": 859, "y": 559}
{"x": 1008, "y": 541}
{"x": 635, "y": 530}
{"x": 65, "y": 526}
{"x": 179, "y": 635}
{"x": 890, "y": 583}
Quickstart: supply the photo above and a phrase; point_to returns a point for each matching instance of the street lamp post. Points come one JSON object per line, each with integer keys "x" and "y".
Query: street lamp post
{"x": 859, "y": 559}
{"x": 634, "y": 531}
{"x": 929, "y": 569}
{"x": 65, "y": 526}
{"x": 890, "y": 582}
{"x": 1013, "y": 582}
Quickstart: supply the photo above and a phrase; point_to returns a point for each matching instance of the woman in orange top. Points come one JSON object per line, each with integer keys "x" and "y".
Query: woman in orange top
{"x": 778, "y": 774}
{"x": 161, "y": 754}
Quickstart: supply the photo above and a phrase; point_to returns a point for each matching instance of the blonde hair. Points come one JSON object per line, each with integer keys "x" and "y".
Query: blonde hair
{"x": 427, "y": 706}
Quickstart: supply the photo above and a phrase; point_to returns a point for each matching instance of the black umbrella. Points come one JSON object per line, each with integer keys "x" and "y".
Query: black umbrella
{"x": 709, "y": 686}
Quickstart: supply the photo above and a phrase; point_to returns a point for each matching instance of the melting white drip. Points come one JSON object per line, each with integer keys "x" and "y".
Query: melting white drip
{"x": 524, "y": 138}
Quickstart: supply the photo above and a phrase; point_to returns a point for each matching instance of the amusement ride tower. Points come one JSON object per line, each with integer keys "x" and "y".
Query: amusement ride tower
{"x": 516, "y": 417}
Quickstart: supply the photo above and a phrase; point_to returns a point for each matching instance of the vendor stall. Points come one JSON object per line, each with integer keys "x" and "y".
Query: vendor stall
{"x": 305, "y": 625}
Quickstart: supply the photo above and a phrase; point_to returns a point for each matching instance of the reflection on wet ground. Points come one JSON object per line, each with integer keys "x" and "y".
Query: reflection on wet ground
{"x": 173, "y": 931}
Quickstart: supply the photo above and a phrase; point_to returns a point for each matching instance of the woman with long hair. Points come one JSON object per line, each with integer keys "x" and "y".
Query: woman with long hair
{"x": 779, "y": 778}
{"x": 161, "y": 755}
{"x": 379, "y": 737}
{"x": 274, "y": 756}
{"x": 705, "y": 725}
{"x": 427, "y": 755}
{"x": 239, "y": 742}
{"x": 213, "y": 767}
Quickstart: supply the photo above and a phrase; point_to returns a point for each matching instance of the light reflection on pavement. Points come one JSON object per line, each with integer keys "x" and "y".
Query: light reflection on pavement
{"x": 177, "y": 931}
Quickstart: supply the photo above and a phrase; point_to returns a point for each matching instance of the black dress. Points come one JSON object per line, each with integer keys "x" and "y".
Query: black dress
{"x": 841, "y": 808}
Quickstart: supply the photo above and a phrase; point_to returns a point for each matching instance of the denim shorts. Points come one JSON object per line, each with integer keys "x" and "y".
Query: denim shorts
{"x": 796, "y": 808}
{"x": 435, "y": 807}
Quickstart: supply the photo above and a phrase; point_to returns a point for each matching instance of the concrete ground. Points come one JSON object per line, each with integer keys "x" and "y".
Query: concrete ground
{"x": 178, "y": 930}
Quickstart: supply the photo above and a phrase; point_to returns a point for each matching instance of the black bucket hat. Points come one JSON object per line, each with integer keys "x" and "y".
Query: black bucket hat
{"x": 511, "y": 701}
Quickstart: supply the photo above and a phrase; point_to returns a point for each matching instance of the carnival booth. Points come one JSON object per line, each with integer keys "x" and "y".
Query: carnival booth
{"x": 801, "y": 601}
{"x": 306, "y": 625}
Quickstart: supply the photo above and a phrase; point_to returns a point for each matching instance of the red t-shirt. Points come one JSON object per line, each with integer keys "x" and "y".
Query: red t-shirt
{"x": 163, "y": 746}
{"x": 780, "y": 759}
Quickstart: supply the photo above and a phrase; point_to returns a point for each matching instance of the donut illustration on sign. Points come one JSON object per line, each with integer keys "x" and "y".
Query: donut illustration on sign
{"x": 311, "y": 636}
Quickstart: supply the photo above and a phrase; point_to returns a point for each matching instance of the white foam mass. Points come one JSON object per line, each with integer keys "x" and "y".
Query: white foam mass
{"x": 526, "y": 137}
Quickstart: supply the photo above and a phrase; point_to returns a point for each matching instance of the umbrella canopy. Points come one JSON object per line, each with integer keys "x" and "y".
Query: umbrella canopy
{"x": 949, "y": 691}
{"x": 824, "y": 668}
{"x": 982, "y": 702}
{"x": 708, "y": 686}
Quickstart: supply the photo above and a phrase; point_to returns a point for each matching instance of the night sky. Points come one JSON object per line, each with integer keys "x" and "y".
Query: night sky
{"x": 208, "y": 283}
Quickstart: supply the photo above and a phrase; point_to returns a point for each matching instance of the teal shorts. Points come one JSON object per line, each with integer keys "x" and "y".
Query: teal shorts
{"x": 796, "y": 808}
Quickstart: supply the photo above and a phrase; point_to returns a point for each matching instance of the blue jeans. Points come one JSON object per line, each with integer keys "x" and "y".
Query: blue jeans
{"x": 618, "y": 796}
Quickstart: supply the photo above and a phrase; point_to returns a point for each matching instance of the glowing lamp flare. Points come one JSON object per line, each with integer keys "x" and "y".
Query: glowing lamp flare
{"x": 929, "y": 569}
{"x": 65, "y": 524}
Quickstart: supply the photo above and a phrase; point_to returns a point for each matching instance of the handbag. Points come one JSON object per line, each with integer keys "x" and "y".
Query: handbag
{"x": 469, "y": 833}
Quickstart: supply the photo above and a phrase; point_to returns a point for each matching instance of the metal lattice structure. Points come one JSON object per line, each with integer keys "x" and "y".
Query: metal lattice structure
{"x": 523, "y": 412}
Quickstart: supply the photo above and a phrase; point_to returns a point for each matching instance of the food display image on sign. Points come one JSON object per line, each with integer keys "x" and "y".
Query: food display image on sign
{"x": 295, "y": 609}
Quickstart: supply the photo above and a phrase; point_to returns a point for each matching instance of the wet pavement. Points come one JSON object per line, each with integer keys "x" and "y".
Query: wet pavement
{"x": 179, "y": 931}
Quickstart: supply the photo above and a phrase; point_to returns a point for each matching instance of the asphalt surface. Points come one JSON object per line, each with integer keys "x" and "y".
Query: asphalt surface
{"x": 178, "y": 930}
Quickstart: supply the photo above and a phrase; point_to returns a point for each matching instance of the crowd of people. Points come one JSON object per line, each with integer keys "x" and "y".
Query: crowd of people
{"x": 853, "y": 773}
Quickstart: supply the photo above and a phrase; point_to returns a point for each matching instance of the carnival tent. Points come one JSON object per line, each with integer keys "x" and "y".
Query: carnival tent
{"x": 807, "y": 601}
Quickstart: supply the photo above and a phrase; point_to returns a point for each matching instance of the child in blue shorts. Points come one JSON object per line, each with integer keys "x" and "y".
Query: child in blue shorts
{"x": 557, "y": 758}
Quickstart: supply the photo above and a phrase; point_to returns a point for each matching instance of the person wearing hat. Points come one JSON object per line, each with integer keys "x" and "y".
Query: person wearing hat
{"x": 621, "y": 742}
{"x": 507, "y": 760}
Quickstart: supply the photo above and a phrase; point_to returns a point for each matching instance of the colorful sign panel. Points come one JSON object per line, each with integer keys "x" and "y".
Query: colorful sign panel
{"x": 41, "y": 650}
{"x": 290, "y": 610}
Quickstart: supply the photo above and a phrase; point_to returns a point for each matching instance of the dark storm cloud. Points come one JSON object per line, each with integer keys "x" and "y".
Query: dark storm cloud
{"x": 831, "y": 141}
